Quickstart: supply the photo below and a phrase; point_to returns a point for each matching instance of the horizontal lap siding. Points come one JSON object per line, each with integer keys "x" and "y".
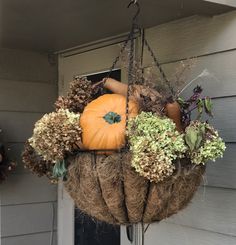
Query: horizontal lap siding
{"x": 31, "y": 239}
{"x": 194, "y": 36}
{"x": 26, "y": 96}
{"x": 17, "y": 126}
{"x": 27, "y": 218}
{"x": 28, "y": 89}
{"x": 222, "y": 172}
{"x": 211, "y": 209}
{"x": 168, "y": 234}
{"x": 211, "y": 216}
{"x": 216, "y": 70}
{"x": 224, "y": 111}
{"x": 17, "y": 65}
{"x": 27, "y": 188}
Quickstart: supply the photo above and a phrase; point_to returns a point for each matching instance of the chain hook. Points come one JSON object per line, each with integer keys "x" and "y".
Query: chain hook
{"x": 135, "y": 2}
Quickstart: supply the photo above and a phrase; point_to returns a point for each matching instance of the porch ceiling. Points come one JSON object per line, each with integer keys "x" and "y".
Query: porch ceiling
{"x": 52, "y": 25}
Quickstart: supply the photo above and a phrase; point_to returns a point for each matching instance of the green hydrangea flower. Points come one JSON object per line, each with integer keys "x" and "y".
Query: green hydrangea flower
{"x": 155, "y": 144}
{"x": 204, "y": 143}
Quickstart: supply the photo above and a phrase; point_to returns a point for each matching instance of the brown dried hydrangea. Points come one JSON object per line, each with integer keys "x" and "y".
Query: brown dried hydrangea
{"x": 149, "y": 99}
{"x": 154, "y": 167}
{"x": 35, "y": 163}
{"x": 81, "y": 92}
{"x": 56, "y": 134}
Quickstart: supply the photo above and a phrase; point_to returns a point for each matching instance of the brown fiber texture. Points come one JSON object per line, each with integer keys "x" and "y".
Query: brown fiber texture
{"x": 108, "y": 189}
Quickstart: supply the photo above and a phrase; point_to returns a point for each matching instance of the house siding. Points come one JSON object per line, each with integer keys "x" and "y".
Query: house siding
{"x": 210, "y": 219}
{"x": 211, "y": 216}
{"x": 28, "y": 88}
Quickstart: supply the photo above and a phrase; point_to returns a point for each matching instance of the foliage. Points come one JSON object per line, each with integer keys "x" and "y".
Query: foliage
{"x": 55, "y": 134}
{"x": 195, "y": 102}
{"x": 59, "y": 169}
{"x": 204, "y": 143}
{"x": 155, "y": 144}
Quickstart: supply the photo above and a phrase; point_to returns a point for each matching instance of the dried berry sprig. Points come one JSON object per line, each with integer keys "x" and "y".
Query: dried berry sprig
{"x": 195, "y": 102}
{"x": 179, "y": 78}
{"x": 151, "y": 77}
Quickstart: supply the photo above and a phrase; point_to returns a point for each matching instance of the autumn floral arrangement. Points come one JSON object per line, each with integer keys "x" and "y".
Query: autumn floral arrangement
{"x": 6, "y": 165}
{"x": 157, "y": 141}
{"x": 155, "y": 127}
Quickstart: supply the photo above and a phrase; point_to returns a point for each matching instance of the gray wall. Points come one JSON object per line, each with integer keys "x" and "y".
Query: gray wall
{"x": 28, "y": 88}
{"x": 211, "y": 217}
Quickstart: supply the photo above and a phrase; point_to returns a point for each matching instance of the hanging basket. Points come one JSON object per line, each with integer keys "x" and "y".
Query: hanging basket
{"x": 106, "y": 185}
{"x": 110, "y": 190}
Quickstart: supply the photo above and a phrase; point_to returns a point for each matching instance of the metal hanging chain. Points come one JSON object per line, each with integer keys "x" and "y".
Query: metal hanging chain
{"x": 130, "y": 72}
{"x": 164, "y": 77}
{"x": 131, "y": 59}
{"x": 118, "y": 56}
{"x": 142, "y": 34}
{"x": 129, "y": 38}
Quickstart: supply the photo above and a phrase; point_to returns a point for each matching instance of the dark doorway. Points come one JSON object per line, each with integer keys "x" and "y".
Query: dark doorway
{"x": 91, "y": 232}
{"x": 116, "y": 74}
{"x": 87, "y": 230}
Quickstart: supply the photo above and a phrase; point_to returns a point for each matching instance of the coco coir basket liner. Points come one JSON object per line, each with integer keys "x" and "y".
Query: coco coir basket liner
{"x": 110, "y": 190}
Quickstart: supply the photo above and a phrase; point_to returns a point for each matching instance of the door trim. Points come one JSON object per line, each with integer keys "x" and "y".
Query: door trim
{"x": 65, "y": 202}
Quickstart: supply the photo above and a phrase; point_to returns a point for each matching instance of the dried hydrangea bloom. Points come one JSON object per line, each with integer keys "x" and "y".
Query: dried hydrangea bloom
{"x": 149, "y": 99}
{"x": 155, "y": 144}
{"x": 150, "y": 164}
{"x": 55, "y": 134}
{"x": 81, "y": 92}
{"x": 35, "y": 162}
{"x": 204, "y": 143}
{"x": 62, "y": 103}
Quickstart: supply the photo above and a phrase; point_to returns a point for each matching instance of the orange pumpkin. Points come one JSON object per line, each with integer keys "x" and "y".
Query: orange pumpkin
{"x": 103, "y": 122}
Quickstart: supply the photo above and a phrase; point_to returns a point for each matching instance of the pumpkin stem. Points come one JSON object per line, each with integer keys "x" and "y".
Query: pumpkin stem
{"x": 112, "y": 117}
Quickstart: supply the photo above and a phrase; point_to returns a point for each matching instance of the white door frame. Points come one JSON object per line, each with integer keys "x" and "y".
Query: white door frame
{"x": 84, "y": 61}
